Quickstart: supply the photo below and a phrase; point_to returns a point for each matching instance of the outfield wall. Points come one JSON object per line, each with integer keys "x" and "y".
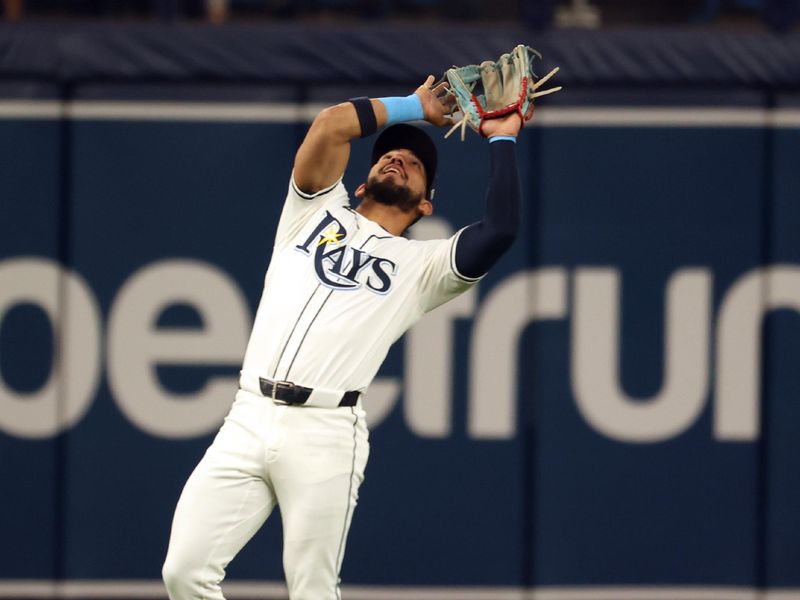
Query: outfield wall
{"x": 611, "y": 413}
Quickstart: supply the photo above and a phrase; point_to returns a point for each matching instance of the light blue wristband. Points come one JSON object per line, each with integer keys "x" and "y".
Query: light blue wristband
{"x": 495, "y": 138}
{"x": 399, "y": 109}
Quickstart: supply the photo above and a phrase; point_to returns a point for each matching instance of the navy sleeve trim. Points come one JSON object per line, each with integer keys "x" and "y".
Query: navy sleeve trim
{"x": 315, "y": 195}
{"x": 454, "y": 266}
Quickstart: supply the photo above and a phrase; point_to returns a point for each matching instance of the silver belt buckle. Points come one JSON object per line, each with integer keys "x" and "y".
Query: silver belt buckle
{"x": 275, "y": 385}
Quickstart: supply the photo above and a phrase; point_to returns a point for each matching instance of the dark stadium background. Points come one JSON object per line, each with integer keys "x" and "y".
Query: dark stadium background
{"x": 619, "y": 418}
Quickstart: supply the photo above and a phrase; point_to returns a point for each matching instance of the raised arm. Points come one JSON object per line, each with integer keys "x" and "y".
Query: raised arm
{"x": 481, "y": 244}
{"x": 323, "y": 155}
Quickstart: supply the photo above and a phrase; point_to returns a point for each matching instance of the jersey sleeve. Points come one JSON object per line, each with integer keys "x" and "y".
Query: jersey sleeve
{"x": 300, "y": 207}
{"x": 441, "y": 280}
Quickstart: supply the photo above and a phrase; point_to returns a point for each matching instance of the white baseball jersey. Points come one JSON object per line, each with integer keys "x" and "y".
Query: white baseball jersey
{"x": 339, "y": 291}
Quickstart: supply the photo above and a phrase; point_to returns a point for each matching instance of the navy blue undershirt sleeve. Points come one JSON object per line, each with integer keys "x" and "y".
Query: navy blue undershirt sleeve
{"x": 481, "y": 244}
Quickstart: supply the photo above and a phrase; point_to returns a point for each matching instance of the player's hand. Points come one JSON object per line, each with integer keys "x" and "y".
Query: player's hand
{"x": 508, "y": 125}
{"x": 436, "y": 104}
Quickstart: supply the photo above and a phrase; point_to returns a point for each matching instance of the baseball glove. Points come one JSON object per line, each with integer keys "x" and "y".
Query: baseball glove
{"x": 496, "y": 88}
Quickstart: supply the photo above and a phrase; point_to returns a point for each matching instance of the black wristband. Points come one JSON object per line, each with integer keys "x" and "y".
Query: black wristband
{"x": 366, "y": 115}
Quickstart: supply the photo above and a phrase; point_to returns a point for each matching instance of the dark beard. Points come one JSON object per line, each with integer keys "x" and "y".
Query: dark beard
{"x": 391, "y": 194}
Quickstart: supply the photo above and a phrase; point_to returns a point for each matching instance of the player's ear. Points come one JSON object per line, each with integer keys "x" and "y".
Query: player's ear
{"x": 425, "y": 208}
{"x": 359, "y": 193}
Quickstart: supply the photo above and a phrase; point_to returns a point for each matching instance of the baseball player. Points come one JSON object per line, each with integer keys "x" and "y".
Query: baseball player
{"x": 342, "y": 286}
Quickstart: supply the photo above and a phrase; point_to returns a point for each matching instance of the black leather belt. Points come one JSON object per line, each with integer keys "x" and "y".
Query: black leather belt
{"x": 286, "y": 391}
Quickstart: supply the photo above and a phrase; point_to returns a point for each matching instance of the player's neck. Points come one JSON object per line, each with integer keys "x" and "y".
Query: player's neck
{"x": 391, "y": 218}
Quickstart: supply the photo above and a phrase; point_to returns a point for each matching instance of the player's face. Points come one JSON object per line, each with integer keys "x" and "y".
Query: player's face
{"x": 385, "y": 191}
{"x": 403, "y": 169}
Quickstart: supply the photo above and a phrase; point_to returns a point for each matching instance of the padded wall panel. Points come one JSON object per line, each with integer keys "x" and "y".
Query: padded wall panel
{"x": 781, "y": 390}
{"x": 619, "y": 496}
{"x": 144, "y": 195}
{"x": 30, "y": 230}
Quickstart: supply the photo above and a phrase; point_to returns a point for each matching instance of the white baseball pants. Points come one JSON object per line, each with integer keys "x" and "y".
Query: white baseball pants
{"x": 308, "y": 460}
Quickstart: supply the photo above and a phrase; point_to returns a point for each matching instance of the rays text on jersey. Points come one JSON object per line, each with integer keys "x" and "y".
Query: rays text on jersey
{"x": 342, "y": 267}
